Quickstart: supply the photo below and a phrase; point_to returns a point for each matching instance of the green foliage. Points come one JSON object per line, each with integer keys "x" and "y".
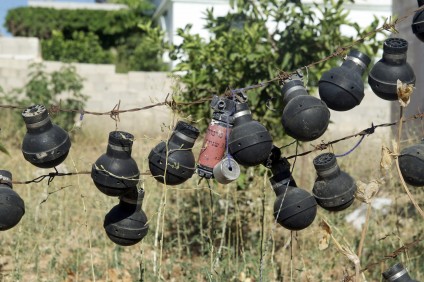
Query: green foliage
{"x": 82, "y": 48}
{"x": 93, "y": 36}
{"x": 143, "y": 54}
{"x": 253, "y": 43}
{"x": 112, "y": 27}
{"x": 62, "y": 87}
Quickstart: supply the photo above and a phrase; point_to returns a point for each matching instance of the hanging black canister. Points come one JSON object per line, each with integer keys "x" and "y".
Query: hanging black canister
{"x": 115, "y": 172}
{"x": 411, "y": 163}
{"x": 392, "y": 67}
{"x": 173, "y": 162}
{"x": 126, "y": 223}
{"x": 418, "y": 22}
{"x": 45, "y": 144}
{"x": 294, "y": 208}
{"x": 12, "y": 207}
{"x": 250, "y": 143}
{"x": 334, "y": 189}
{"x": 397, "y": 273}
{"x": 305, "y": 117}
{"x": 342, "y": 88}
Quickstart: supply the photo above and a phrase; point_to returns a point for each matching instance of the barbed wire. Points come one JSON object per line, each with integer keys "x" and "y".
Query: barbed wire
{"x": 52, "y": 175}
{"x": 116, "y": 111}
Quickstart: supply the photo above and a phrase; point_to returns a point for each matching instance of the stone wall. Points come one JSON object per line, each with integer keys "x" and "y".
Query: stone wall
{"x": 105, "y": 88}
{"x": 102, "y": 84}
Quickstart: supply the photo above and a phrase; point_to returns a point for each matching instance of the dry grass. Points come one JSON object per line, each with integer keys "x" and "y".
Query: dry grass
{"x": 207, "y": 235}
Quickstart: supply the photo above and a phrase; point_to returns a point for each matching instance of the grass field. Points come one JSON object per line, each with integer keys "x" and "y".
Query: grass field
{"x": 226, "y": 233}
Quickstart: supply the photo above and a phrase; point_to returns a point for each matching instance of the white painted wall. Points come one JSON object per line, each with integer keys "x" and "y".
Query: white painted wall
{"x": 186, "y": 12}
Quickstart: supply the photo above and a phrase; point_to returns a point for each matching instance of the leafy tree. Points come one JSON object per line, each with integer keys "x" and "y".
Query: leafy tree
{"x": 253, "y": 43}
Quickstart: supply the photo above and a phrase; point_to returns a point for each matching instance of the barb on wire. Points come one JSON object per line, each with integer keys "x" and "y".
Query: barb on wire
{"x": 363, "y": 133}
{"x": 114, "y": 113}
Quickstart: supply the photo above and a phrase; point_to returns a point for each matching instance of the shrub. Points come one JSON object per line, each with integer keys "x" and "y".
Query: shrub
{"x": 111, "y": 27}
{"x": 92, "y": 36}
{"x": 62, "y": 87}
{"x": 82, "y": 48}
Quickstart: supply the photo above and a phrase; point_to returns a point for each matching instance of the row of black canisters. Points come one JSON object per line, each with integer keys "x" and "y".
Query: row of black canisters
{"x": 306, "y": 118}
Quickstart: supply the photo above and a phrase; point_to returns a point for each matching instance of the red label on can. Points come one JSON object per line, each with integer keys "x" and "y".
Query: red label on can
{"x": 214, "y": 145}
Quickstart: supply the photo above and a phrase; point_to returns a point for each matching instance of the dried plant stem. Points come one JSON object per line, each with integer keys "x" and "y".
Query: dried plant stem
{"x": 364, "y": 230}
{"x": 404, "y": 185}
{"x": 345, "y": 251}
{"x": 187, "y": 241}
{"x": 411, "y": 197}
{"x": 211, "y": 228}
{"x": 178, "y": 227}
{"x": 161, "y": 213}
{"x": 164, "y": 195}
{"x": 156, "y": 242}
{"x": 162, "y": 230}
{"x": 291, "y": 256}
{"x": 357, "y": 272}
{"x": 224, "y": 225}
{"x": 261, "y": 265}
{"x": 86, "y": 222}
{"x": 202, "y": 234}
{"x": 239, "y": 231}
